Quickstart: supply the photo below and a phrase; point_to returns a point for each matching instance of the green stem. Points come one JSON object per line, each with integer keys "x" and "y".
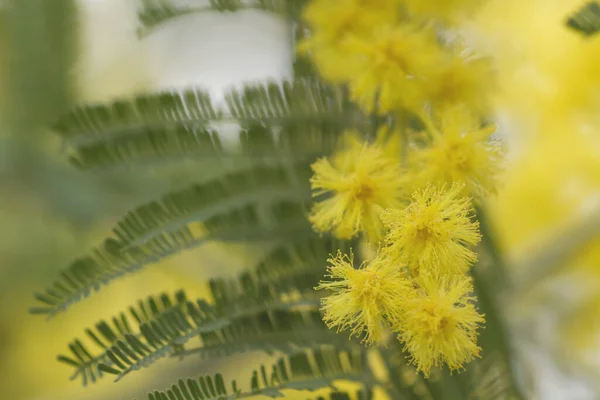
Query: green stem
{"x": 397, "y": 389}
{"x": 447, "y": 387}
{"x": 489, "y": 287}
{"x": 495, "y": 336}
{"x": 499, "y": 269}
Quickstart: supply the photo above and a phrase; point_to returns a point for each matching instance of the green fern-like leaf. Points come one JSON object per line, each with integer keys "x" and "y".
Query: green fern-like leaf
{"x": 257, "y": 143}
{"x": 271, "y": 307}
{"x": 257, "y": 204}
{"x": 288, "y": 269}
{"x": 156, "y": 12}
{"x": 203, "y": 388}
{"x": 295, "y": 372}
{"x": 281, "y": 331}
{"x": 360, "y": 395}
{"x": 116, "y": 258}
{"x": 586, "y": 20}
{"x": 104, "y": 335}
{"x": 169, "y": 126}
{"x": 262, "y": 185}
{"x": 277, "y": 327}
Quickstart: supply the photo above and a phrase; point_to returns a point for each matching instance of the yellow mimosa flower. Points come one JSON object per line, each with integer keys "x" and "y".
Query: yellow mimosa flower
{"x": 396, "y": 64}
{"x": 460, "y": 151}
{"x": 361, "y": 182}
{"x": 331, "y": 22}
{"x": 440, "y": 323}
{"x": 464, "y": 79}
{"x": 435, "y": 231}
{"x": 365, "y": 300}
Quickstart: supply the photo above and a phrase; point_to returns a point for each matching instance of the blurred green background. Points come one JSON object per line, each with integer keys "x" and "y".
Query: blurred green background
{"x": 51, "y": 213}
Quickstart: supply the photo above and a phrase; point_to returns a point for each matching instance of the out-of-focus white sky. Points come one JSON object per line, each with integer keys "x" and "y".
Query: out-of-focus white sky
{"x": 207, "y": 50}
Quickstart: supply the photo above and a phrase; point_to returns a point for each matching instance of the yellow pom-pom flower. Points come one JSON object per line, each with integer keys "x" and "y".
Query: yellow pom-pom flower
{"x": 336, "y": 18}
{"x": 460, "y": 151}
{"x": 464, "y": 79}
{"x": 365, "y": 300}
{"x": 361, "y": 182}
{"x": 331, "y": 22}
{"x": 440, "y": 323}
{"x": 396, "y": 63}
{"x": 435, "y": 231}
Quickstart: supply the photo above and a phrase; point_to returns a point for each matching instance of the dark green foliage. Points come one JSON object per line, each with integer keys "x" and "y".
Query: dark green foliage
{"x": 263, "y": 203}
{"x": 289, "y": 268}
{"x": 297, "y": 371}
{"x": 336, "y": 395}
{"x": 203, "y": 388}
{"x": 114, "y": 258}
{"x": 105, "y": 336}
{"x": 269, "y": 331}
{"x": 586, "y": 20}
{"x": 160, "y": 336}
{"x": 163, "y": 145}
{"x": 107, "y": 262}
{"x": 306, "y": 116}
{"x": 260, "y": 186}
{"x": 304, "y": 100}
{"x": 272, "y": 327}
{"x": 270, "y": 308}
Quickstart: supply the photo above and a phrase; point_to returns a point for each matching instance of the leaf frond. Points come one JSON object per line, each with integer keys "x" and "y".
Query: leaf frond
{"x": 586, "y": 20}
{"x": 281, "y": 331}
{"x": 107, "y": 333}
{"x": 339, "y": 395}
{"x": 261, "y": 185}
{"x": 306, "y": 116}
{"x": 288, "y": 270}
{"x": 116, "y": 257}
{"x": 305, "y": 370}
{"x": 271, "y": 307}
{"x": 282, "y": 327}
{"x": 163, "y": 325}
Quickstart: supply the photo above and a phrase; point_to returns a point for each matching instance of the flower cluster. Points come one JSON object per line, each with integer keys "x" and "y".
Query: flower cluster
{"x": 391, "y": 59}
{"x": 434, "y": 233}
{"x": 362, "y": 180}
{"x": 411, "y": 191}
{"x": 417, "y": 285}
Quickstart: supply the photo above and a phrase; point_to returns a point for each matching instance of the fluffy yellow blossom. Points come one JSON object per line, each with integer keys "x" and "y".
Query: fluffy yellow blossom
{"x": 460, "y": 151}
{"x": 335, "y": 18}
{"x": 364, "y": 300}
{"x": 440, "y": 323}
{"x": 360, "y": 181}
{"x": 396, "y": 65}
{"x": 449, "y": 11}
{"x": 464, "y": 79}
{"x": 389, "y": 141}
{"x": 332, "y": 21}
{"x": 435, "y": 231}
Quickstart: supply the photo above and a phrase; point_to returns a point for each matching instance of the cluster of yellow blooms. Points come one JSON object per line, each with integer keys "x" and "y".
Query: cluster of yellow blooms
{"x": 410, "y": 194}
